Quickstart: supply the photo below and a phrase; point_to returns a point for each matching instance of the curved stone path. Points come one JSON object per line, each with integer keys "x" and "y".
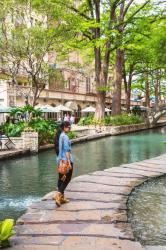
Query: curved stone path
{"x": 95, "y": 218}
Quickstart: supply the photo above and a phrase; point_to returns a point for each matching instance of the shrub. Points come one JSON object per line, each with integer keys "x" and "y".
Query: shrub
{"x": 85, "y": 121}
{"x": 118, "y": 120}
{"x": 71, "y": 135}
{"x": 124, "y": 119}
{"x": 45, "y": 128}
{"x": 13, "y": 130}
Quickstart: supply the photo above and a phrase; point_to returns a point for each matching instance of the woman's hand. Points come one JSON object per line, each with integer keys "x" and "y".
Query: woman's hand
{"x": 69, "y": 164}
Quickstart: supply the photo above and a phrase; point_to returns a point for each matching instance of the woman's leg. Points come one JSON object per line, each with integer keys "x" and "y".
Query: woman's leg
{"x": 63, "y": 184}
{"x": 60, "y": 182}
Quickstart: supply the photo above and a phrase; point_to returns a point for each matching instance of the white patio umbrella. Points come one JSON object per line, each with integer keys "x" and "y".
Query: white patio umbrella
{"x": 48, "y": 109}
{"x": 63, "y": 108}
{"x": 89, "y": 109}
{"x": 107, "y": 110}
{"x": 4, "y": 109}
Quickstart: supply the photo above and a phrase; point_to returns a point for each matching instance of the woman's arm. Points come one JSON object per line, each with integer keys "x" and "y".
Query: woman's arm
{"x": 67, "y": 149}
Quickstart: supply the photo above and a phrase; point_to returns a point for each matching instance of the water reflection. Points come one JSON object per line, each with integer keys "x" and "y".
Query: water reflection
{"x": 28, "y": 178}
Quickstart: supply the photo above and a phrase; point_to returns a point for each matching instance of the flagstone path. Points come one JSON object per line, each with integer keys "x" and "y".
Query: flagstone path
{"x": 95, "y": 218}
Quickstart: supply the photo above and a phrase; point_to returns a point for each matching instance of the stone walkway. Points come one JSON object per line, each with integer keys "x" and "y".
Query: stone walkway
{"x": 95, "y": 218}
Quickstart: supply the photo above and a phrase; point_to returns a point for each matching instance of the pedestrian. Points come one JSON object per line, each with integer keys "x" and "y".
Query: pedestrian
{"x": 65, "y": 118}
{"x": 68, "y": 118}
{"x": 59, "y": 119}
{"x": 63, "y": 151}
{"x": 72, "y": 119}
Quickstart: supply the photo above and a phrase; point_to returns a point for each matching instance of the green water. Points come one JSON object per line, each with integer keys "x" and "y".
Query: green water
{"x": 29, "y": 178}
{"x": 147, "y": 212}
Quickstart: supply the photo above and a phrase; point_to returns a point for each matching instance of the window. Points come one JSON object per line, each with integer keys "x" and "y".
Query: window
{"x": 87, "y": 85}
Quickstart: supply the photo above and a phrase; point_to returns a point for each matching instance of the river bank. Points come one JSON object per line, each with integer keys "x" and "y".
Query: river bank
{"x": 86, "y": 133}
{"x": 96, "y": 217}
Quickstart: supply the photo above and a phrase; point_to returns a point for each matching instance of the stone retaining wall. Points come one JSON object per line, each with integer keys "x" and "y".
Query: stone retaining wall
{"x": 27, "y": 141}
{"x": 116, "y": 130}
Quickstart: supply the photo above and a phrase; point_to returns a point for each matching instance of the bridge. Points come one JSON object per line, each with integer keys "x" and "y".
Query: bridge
{"x": 157, "y": 114}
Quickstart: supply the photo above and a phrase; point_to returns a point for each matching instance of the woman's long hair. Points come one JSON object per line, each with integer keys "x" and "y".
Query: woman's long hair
{"x": 63, "y": 125}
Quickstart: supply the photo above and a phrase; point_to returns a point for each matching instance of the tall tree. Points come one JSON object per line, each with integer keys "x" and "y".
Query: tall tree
{"x": 26, "y": 40}
{"x": 99, "y": 26}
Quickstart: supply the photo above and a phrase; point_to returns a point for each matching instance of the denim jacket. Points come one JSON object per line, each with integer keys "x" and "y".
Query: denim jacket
{"x": 64, "y": 146}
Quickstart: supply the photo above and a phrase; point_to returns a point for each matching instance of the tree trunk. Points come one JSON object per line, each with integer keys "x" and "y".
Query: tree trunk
{"x": 116, "y": 99}
{"x": 35, "y": 93}
{"x": 147, "y": 91}
{"x": 100, "y": 106}
{"x": 128, "y": 96}
{"x": 156, "y": 90}
{"x": 34, "y": 98}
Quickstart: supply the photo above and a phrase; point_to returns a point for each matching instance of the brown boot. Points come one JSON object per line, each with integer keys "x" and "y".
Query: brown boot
{"x": 64, "y": 200}
{"x": 58, "y": 198}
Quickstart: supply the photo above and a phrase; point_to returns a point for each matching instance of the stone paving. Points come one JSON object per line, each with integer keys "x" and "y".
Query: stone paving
{"x": 95, "y": 218}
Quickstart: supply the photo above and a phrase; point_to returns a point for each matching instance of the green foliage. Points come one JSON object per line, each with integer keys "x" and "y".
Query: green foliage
{"x": 123, "y": 119}
{"x": 119, "y": 120}
{"x": 71, "y": 135}
{"x": 13, "y": 130}
{"x": 45, "y": 128}
{"x": 6, "y": 231}
{"x": 25, "y": 109}
{"x": 85, "y": 121}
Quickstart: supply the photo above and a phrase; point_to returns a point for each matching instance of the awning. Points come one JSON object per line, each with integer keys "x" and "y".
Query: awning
{"x": 63, "y": 108}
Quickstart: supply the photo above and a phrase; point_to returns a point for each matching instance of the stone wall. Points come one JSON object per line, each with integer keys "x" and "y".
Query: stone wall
{"x": 28, "y": 140}
{"x": 112, "y": 130}
{"x": 116, "y": 130}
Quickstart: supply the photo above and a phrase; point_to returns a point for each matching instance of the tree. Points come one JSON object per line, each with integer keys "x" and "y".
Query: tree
{"x": 26, "y": 41}
{"x": 144, "y": 57}
{"x": 98, "y": 26}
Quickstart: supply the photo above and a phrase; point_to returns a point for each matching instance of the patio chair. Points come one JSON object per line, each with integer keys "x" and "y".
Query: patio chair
{"x": 9, "y": 144}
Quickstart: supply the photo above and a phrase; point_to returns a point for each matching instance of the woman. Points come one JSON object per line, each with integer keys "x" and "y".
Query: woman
{"x": 64, "y": 154}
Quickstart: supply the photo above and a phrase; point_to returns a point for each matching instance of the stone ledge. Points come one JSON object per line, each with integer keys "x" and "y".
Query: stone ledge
{"x": 5, "y": 155}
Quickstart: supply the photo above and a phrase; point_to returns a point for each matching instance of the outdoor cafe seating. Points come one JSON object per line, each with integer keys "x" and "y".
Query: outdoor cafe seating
{"x": 6, "y": 142}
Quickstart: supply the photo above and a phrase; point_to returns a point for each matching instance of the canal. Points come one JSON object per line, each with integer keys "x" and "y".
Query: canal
{"x": 27, "y": 179}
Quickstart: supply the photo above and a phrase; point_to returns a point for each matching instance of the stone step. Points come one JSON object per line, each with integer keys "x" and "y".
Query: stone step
{"x": 98, "y": 216}
{"x": 93, "y": 187}
{"x": 120, "y": 230}
{"x": 77, "y": 205}
{"x": 74, "y": 242}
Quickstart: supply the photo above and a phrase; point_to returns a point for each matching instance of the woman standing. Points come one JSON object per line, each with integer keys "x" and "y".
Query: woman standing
{"x": 64, "y": 154}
